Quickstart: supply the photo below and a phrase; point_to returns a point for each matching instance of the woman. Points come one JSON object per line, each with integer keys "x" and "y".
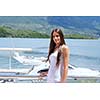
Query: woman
{"x": 58, "y": 57}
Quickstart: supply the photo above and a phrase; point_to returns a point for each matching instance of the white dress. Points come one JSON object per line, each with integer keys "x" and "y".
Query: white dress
{"x": 55, "y": 72}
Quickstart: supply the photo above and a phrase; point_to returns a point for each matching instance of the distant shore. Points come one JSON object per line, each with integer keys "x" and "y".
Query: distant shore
{"x": 17, "y": 33}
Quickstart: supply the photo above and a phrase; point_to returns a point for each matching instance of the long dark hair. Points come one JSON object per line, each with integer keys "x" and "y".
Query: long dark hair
{"x": 52, "y": 44}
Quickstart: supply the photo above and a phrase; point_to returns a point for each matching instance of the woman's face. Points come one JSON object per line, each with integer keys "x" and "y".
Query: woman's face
{"x": 56, "y": 38}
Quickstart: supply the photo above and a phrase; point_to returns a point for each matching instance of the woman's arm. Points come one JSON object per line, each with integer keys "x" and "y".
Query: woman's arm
{"x": 65, "y": 52}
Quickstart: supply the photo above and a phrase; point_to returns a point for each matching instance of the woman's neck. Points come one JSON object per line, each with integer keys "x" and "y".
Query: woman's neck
{"x": 57, "y": 45}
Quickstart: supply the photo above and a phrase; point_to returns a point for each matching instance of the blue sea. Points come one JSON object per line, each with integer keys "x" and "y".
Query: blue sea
{"x": 83, "y": 53}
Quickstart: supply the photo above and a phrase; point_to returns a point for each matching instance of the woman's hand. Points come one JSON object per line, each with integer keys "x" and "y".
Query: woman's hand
{"x": 43, "y": 74}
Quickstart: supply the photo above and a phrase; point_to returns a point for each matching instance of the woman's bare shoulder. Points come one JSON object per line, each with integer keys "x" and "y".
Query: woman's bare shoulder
{"x": 65, "y": 50}
{"x": 64, "y": 47}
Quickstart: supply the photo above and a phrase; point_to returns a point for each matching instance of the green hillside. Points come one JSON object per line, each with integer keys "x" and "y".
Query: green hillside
{"x": 17, "y": 33}
{"x": 9, "y": 32}
{"x": 41, "y": 26}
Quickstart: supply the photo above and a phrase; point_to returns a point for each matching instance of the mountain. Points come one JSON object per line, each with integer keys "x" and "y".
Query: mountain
{"x": 78, "y": 24}
{"x": 75, "y": 21}
{"x": 89, "y": 25}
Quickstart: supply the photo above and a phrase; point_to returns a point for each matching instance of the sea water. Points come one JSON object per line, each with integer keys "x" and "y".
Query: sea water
{"x": 83, "y": 53}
